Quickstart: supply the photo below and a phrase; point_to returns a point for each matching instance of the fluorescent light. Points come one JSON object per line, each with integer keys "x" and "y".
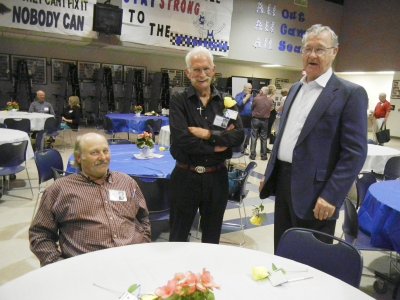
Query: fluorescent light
{"x": 271, "y": 66}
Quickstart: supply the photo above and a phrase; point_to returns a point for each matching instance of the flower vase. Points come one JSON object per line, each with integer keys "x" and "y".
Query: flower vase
{"x": 137, "y": 114}
{"x": 147, "y": 152}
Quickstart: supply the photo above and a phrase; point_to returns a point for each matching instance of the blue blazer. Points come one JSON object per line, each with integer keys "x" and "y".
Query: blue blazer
{"x": 331, "y": 148}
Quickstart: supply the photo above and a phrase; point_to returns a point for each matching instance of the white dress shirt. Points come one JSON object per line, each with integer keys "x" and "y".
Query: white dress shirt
{"x": 301, "y": 107}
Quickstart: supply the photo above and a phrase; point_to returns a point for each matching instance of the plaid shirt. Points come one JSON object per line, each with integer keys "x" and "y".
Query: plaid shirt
{"x": 77, "y": 216}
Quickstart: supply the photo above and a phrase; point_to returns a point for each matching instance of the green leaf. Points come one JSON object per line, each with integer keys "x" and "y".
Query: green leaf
{"x": 261, "y": 207}
{"x": 133, "y": 288}
{"x": 274, "y": 268}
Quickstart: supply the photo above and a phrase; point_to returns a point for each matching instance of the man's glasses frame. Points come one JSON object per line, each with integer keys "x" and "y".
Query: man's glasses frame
{"x": 320, "y": 51}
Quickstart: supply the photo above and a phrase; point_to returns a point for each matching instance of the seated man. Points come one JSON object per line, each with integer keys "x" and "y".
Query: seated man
{"x": 92, "y": 210}
{"x": 44, "y": 107}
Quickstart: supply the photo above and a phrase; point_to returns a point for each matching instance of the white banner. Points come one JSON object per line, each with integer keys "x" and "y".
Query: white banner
{"x": 71, "y": 17}
{"x": 178, "y": 24}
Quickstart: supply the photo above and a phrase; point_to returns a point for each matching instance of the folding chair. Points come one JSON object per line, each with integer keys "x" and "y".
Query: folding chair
{"x": 340, "y": 259}
{"x": 45, "y": 161}
{"x": 13, "y": 155}
{"x": 156, "y": 194}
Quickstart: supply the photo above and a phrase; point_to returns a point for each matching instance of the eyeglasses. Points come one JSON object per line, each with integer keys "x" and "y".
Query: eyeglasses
{"x": 318, "y": 51}
{"x": 198, "y": 71}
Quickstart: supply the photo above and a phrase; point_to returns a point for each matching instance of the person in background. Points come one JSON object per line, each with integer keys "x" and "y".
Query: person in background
{"x": 322, "y": 143}
{"x": 203, "y": 132}
{"x": 41, "y": 105}
{"x": 279, "y": 110}
{"x": 381, "y": 114}
{"x": 92, "y": 210}
{"x": 244, "y": 100}
{"x": 261, "y": 109}
{"x": 44, "y": 107}
{"x": 72, "y": 115}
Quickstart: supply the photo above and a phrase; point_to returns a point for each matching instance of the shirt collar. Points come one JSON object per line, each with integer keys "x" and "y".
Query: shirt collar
{"x": 108, "y": 178}
{"x": 322, "y": 80}
{"x": 192, "y": 92}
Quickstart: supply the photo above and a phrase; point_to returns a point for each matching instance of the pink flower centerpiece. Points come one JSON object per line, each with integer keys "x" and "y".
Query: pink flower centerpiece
{"x": 188, "y": 286}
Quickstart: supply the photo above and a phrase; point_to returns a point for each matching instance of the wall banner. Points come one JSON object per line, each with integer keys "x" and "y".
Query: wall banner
{"x": 71, "y": 17}
{"x": 178, "y": 24}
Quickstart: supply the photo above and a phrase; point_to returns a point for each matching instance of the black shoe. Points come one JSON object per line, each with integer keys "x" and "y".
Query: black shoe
{"x": 264, "y": 157}
{"x": 252, "y": 157}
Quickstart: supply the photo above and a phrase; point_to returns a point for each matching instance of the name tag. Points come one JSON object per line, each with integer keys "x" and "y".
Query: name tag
{"x": 45, "y": 108}
{"x": 117, "y": 195}
{"x": 231, "y": 114}
{"x": 221, "y": 121}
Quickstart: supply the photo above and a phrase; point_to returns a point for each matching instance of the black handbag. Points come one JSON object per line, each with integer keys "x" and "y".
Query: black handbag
{"x": 272, "y": 138}
{"x": 383, "y": 135}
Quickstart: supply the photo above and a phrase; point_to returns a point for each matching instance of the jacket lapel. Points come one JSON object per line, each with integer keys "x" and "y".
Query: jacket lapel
{"x": 323, "y": 101}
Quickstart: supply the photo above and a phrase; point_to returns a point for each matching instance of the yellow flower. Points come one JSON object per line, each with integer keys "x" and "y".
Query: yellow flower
{"x": 229, "y": 102}
{"x": 258, "y": 217}
{"x": 259, "y": 273}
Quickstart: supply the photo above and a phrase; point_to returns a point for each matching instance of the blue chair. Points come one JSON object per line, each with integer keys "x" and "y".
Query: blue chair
{"x": 156, "y": 194}
{"x": 392, "y": 168}
{"x": 362, "y": 241}
{"x": 13, "y": 155}
{"x": 45, "y": 161}
{"x": 363, "y": 182}
{"x": 153, "y": 126}
{"x": 340, "y": 259}
{"x": 109, "y": 127}
{"x": 18, "y": 124}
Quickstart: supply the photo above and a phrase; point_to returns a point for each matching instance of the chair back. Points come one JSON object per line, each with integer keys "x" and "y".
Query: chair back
{"x": 156, "y": 194}
{"x": 350, "y": 222}
{"x": 363, "y": 182}
{"x": 13, "y": 154}
{"x": 113, "y": 141}
{"x": 51, "y": 125}
{"x": 18, "y": 124}
{"x": 108, "y": 125}
{"x": 238, "y": 197}
{"x": 340, "y": 259}
{"x": 46, "y": 160}
{"x": 154, "y": 126}
{"x": 392, "y": 168}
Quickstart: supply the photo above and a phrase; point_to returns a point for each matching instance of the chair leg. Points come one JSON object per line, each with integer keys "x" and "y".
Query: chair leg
{"x": 29, "y": 179}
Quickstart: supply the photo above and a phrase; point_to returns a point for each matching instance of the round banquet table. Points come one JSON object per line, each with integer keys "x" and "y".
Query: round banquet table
{"x": 379, "y": 214}
{"x": 37, "y": 119}
{"x": 12, "y": 136}
{"x": 377, "y": 157}
{"x": 107, "y": 274}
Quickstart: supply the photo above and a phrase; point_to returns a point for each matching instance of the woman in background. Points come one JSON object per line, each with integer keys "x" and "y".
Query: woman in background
{"x": 72, "y": 115}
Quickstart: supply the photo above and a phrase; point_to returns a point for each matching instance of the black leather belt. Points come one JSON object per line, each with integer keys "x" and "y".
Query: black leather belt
{"x": 201, "y": 169}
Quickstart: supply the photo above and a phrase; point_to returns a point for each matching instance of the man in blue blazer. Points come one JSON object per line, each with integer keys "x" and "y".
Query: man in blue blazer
{"x": 322, "y": 141}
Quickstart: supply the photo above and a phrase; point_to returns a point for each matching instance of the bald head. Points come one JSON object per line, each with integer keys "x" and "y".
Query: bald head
{"x": 92, "y": 155}
{"x": 41, "y": 96}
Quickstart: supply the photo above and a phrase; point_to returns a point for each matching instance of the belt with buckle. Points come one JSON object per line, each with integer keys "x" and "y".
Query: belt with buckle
{"x": 201, "y": 169}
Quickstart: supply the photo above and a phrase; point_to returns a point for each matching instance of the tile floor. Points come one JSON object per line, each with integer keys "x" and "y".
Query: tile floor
{"x": 16, "y": 208}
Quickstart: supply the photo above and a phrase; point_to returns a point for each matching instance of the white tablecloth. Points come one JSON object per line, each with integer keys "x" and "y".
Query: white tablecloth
{"x": 108, "y": 273}
{"x": 164, "y": 136}
{"x": 377, "y": 157}
{"x": 12, "y": 136}
{"x": 37, "y": 119}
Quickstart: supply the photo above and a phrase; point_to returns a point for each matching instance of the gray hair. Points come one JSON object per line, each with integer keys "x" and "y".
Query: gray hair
{"x": 200, "y": 50}
{"x": 382, "y": 95}
{"x": 317, "y": 29}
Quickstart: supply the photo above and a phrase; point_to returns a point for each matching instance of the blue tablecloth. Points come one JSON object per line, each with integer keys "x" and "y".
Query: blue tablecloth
{"x": 131, "y": 123}
{"x": 379, "y": 214}
{"x": 122, "y": 160}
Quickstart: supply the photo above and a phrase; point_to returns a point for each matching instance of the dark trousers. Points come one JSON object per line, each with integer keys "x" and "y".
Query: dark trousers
{"x": 246, "y": 121}
{"x": 190, "y": 192}
{"x": 259, "y": 129}
{"x": 285, "y": 217}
